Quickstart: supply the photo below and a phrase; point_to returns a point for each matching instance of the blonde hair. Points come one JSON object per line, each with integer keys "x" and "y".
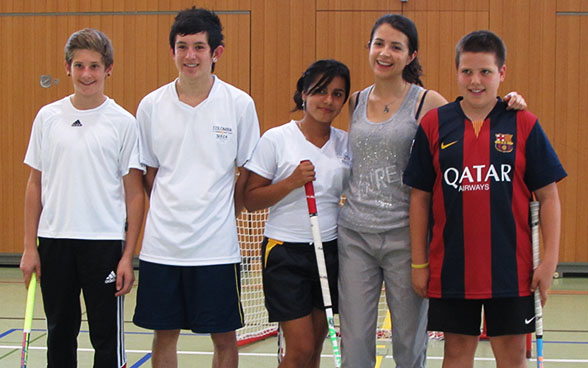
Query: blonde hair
{"x": 90, "y": 39}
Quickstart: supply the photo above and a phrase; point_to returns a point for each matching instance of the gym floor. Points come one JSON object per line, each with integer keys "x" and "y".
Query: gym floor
{"x": 565, "y": 336}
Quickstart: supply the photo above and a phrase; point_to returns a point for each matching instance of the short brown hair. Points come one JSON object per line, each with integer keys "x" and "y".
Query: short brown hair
{"x": 90, "y": 39}
{"x": 481, "y": 41}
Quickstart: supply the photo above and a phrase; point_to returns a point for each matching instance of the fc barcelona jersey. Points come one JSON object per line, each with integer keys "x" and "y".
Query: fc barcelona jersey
{"x": 481, "y": 184}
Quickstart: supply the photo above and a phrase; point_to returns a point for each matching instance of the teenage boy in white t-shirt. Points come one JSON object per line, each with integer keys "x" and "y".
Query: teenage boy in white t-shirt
{"x": 85, "y": 181}
{"x": 194, "y": 133}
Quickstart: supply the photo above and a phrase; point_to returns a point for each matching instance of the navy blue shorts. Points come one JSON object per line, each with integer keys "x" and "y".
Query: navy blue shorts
{"x": 291, "y": 283}
{"x": 203, "y": 299}
{"x": 504, "y": 316}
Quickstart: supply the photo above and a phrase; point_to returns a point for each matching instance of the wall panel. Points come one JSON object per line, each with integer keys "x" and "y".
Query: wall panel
{"x": 572, "y": 6}
{"x": 268, "y": 45}
{"x": 344, "y": 35}
{"x": 446, "y": 5}
{"x": 570, "y": 114}
{"x": 439, "y": 32}
{"x": 283, "y": 45}
{"x": 387, "y": 6}
{"x": 530, "y": 40}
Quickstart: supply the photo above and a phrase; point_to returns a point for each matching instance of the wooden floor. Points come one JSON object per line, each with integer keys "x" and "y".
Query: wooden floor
{"x": 565, "y": 338}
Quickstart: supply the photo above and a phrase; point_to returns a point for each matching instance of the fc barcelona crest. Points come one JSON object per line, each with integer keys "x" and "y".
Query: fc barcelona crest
{"x": 503, "y": 143}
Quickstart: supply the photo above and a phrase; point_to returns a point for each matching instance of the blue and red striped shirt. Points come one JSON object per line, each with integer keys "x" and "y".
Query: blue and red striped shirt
{"x": 481, "y": 187}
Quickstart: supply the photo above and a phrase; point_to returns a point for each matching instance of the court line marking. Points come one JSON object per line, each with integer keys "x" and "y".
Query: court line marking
{"x": 568, "y": 292}
{"x": 273, "y": 355}
{"x": 141, "y": 361}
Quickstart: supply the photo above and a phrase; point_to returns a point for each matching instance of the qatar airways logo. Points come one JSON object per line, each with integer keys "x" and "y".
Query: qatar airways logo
{"x": 476, "y": 177}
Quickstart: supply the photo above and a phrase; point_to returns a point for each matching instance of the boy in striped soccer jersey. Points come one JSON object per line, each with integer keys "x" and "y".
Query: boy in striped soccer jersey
{"x": 475, "y": 165}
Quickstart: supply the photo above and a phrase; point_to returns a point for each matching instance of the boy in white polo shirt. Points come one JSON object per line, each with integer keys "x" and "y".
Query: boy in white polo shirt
{"x": 194, "y": 133}
{"x": 84, "y": 183}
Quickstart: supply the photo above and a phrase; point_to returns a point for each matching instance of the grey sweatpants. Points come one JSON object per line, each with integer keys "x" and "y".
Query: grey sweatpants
{"x": 365, "y": 261}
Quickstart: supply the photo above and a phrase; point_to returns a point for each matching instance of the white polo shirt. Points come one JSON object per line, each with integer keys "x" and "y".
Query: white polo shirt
{"x": 191, "y": 218}
{"x": 82, "y": 156}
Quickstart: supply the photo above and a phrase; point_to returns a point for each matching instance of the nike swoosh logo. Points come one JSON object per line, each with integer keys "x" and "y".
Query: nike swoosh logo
{"x": 527, "y": 321}
{"x": 443, "y": 145}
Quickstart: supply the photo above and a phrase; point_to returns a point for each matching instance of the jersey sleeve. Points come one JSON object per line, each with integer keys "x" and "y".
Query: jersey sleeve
{"x": 263, "y": 162}
{"x": 543, "y": 165}
{"x": 420, "y": 173}
{"x": 129, "y": 155}
{"x": 33, "y": 155}
{"x": 145, "y": 147}
{"x": 248, "y": 133}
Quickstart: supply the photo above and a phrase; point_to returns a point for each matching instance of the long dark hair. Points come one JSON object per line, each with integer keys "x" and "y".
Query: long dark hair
{"x": 413, "y": 71}
{"x": 318, "y": 76}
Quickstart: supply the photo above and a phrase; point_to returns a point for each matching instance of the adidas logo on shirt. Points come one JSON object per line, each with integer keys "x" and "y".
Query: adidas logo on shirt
{"x": 110, "y": 278}
{"x": 76, "y": 123}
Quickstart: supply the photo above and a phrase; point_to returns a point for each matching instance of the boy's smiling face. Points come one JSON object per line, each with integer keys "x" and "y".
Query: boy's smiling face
{"x": 88, "y": 73}
{"x": 193, "y": 56}
{"x": 478, "y": 79}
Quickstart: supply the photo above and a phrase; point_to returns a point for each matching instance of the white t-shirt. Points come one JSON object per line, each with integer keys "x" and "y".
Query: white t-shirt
{"x": 82, "y": 156}
{"x": 191, "y": 218}
{"x": 277, "y": 155}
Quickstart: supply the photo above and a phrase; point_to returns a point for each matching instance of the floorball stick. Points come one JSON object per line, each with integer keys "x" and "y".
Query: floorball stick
{"x": 281, "y": 344}
{"x": 322, "y": 270}
{"x": 28, "y": 321}
{"x": 538, "y": 309}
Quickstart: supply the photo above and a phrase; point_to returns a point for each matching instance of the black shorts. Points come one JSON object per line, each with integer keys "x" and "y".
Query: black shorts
{"x": 504, "y": 316}
{"x": 204, "y": 299}
{"x": 291, "y": 281}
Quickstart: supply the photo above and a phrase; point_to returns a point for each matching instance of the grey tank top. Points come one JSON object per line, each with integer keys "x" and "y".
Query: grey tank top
{"x": 377, "y": 200}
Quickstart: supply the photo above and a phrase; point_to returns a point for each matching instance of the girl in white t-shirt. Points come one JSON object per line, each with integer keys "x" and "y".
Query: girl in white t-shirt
{"x": 277, "y": 178}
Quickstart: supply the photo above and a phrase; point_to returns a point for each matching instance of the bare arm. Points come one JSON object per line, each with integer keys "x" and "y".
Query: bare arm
{"x": 261, "y": 193}
{"x": 30, "y": 261}
{"x": 148, "y": 179}
{"x": 432, "y": 101}
{"x": 550, "y": 219}
{"x": 240, "y": 190}
{"x": 419, "y": 222}
{"x": 352, "y": 104}
{"x": 135, "y": 203}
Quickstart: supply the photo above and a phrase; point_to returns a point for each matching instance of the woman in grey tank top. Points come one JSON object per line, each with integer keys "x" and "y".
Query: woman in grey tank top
{"x": 374, "y": 238}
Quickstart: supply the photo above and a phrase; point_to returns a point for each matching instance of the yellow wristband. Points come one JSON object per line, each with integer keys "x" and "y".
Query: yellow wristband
{"x": 419, "y": 266}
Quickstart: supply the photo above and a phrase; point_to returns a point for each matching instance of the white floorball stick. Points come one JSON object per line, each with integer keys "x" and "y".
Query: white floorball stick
{"x": 322, "y": 270}
{"x": 538, "y": 309}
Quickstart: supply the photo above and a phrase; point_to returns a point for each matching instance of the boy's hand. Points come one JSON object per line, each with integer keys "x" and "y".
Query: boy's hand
{"x": 515, "y": 101}
{"x": 30, "y": 263}
{"x": 125, "y": 277}
{"x": 420, "y": 281}
{"x": 542, "y": 278}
